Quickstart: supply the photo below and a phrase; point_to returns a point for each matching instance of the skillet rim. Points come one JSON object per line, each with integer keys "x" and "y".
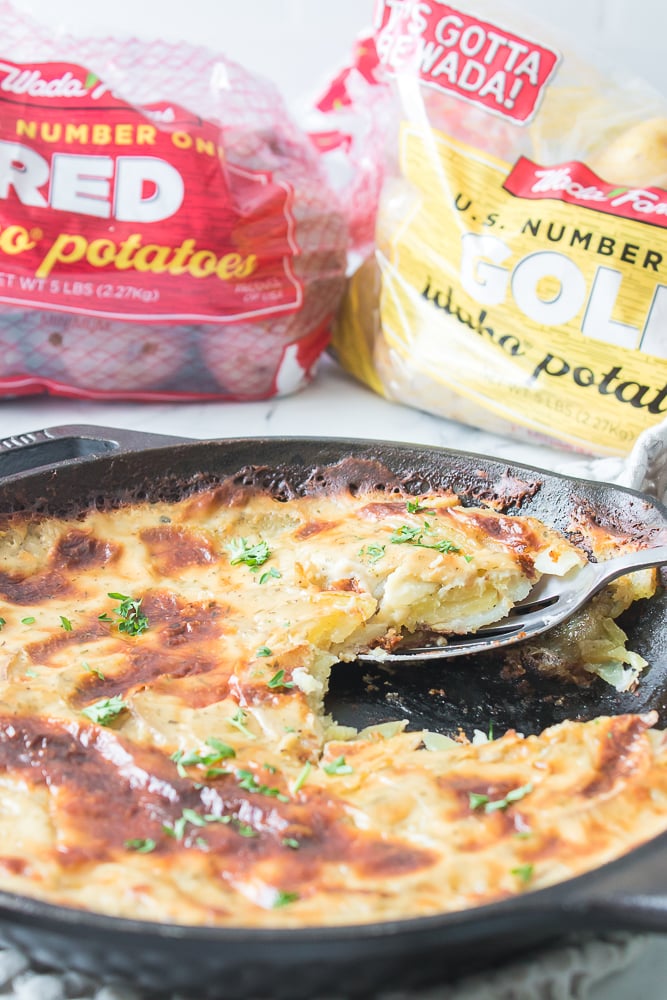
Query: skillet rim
{"x": 126, "y": 442}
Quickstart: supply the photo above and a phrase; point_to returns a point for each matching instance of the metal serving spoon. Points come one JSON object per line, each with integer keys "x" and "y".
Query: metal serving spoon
{"x": 551, "y": 601}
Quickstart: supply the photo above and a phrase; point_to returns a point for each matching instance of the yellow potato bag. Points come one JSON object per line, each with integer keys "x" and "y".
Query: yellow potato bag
{"x": 518, "y": 280}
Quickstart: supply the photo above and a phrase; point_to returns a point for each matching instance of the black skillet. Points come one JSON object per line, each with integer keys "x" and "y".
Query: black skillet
{"x": 65, "y": 469}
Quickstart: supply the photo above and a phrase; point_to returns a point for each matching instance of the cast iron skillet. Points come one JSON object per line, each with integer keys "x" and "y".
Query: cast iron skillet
{"x": 62, "y": 468}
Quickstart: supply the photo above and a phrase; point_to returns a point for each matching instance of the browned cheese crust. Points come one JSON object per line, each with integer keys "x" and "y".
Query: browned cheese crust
{"x": 164, "y": 749}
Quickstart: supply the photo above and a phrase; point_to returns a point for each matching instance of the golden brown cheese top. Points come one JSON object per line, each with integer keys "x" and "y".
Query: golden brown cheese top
{"x": 164, "y": 751}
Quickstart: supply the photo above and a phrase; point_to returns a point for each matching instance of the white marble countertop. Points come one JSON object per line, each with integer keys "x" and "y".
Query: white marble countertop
{"x": 334, "y": 405}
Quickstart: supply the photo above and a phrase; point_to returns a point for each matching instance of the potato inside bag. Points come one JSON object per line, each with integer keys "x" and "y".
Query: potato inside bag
{"x": 518, "y": 280}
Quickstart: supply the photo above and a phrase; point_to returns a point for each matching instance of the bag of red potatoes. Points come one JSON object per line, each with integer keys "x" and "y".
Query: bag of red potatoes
{"x": 166, "y": 231}
{"x": 518, "y": 280}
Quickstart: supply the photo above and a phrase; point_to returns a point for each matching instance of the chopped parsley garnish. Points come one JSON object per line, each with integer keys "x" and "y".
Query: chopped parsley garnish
{"x": 2, "y": 624}
{"x": 372, "y": 552}
{"x": 190, "y": 816}
{"x": 407, "y": 535}
{"x": 142, "y": 845}
{"x": 238, "y": 720}
{"x": 28, "y": 621}
{"x": 93, "y": 670}
{"x": 278, "y": 681}
{"x": 131, "y": 620}
{"x": 249, "y": 783}
{"x": 65, "y": 623}
{"x": 31, "y": 673}
{"x": 244, "y": 829}
{"x": 302, "y": 777}
{"x": 337, "y": 766}
{"x": 177, "y": 829}
{"x": 106, "y": 710}
{"x": 215, "y": 772}
{"x": 514, "y": 796}
{"x": 478, "y": 801}
{"x": 284, "y": 898}
{"x": 223, "y": 749}
{"x": 523, "y": 872}
{"x": 204, "y": 758}
{"x": 264, "y": 651}
{"x": 414, "y": 506}
{"x": 253, "y": 556}
{"x": 443, "y": 546}
{"x": 291, "y": 842}
{"x": 270, "y": 574}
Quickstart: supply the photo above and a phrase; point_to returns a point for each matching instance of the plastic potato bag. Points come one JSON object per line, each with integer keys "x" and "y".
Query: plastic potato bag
{"x": 519, "y": 277}
{"x": 166, "y": 231}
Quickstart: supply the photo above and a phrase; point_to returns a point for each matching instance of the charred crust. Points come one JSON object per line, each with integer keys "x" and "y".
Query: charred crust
{"x": 505, "y": 493}
{"x": 352, "y": 475}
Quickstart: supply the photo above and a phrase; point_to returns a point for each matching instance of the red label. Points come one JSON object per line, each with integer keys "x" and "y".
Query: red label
{"x": 462, "y": 55}
{"x": 364, "y": 63}
{"x": 108, "y": 209}
{"x": 577, "y": 185}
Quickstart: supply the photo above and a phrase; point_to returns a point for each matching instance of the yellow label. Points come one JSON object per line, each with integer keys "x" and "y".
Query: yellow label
{"x": 549, "y": 314}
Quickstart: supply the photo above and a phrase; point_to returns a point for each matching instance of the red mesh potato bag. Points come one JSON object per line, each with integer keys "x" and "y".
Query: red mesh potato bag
{"x": 166, "y": 230}
{"x": 516, "y": 279}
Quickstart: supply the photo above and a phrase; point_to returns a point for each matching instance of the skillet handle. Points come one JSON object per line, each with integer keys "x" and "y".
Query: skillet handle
{"x": 56, "y": 446}
{"x": 629, "y": 895}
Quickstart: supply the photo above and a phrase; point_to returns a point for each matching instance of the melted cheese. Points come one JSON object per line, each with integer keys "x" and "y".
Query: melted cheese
{"x": 180, "y": 768}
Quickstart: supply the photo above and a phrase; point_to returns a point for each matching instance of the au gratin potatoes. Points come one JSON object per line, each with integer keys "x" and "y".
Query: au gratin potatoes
{"x": 165, "y": 752}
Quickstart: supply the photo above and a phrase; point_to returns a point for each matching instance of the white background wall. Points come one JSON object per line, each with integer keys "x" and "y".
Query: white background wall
{"x": 301, "y": 43}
